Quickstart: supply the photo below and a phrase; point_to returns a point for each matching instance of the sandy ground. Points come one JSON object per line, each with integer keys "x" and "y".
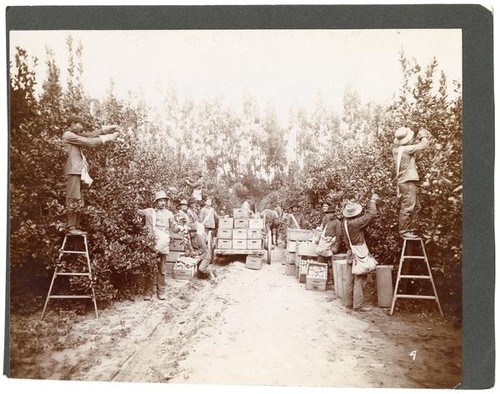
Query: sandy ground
{"x": 250, "y": 327}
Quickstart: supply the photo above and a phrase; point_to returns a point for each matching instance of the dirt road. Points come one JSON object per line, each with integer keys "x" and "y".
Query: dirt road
{"x": 254, "y": 327}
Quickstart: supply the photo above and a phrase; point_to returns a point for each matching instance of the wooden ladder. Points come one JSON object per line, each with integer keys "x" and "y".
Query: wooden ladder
{"x": 408, "y": 243}
{"x": 88, "y": 273}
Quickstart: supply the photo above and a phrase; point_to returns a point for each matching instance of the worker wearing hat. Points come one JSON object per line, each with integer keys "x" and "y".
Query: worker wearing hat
{"x": 182, "y": 215}
{"x": 405, "y": 151}
{"x": 197, "y": 248}
{"x": 331, "y": 229}
{"x": 192, "y": 210}
{"x": 159, "y": 222}
{"x": 355, "y": 222}
{"x": 76, "y": 167}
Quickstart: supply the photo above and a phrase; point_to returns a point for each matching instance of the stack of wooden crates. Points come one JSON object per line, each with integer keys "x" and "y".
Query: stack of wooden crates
{"x": 176, "y": 254}
{"x": 241, "y": 233}
{"x": 294, "y": 237}
{"x": 306, "y": 255}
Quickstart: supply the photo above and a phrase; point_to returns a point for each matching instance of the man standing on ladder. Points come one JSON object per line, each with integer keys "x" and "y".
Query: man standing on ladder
{"x": 76, "y": 167}
{"x": 407, "y": 177}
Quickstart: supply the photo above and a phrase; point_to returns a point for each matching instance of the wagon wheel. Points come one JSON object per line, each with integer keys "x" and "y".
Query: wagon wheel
{"x": 269, "y": 242}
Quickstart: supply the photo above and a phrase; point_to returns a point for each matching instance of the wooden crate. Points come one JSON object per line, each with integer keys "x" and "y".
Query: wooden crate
{"x": 256, "y": 224}
{"x": 176, "y": 245}
{"x": 173, "y": 256}
{"x": 291, "y": 246}
{"x": 254, "y": 233}
{"x": 253, "y": 262}
{"x": 316, "y": 276}
{"x": 226, "y": 223}
{"x": 184, "y": 273}
{"x": 306, "y": 249}
{"x": 224, "y": 243}
{"x": 239, "y": 213}
{"x": 299, "y": 235}
{"x": 225, "y": 233}
{"x": 178, "y": 235}
{"x": 240, "y": 233}
{"x": 185, "y": 268}
{"x": 341, "y": 277}
{"x": 239, "y": 244}
{"x": 315, "y": 284}
{"x": 254, "y": 244}
{"x": 317, "y": 270}
{"x": 303, "y": 266}
{"x": 290, "y": 269}
{"x": 241, "y": 223}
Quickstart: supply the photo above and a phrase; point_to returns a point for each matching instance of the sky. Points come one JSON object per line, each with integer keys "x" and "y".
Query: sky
{"x": 284, "y": 68}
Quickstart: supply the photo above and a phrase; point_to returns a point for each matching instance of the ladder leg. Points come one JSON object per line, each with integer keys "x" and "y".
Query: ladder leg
{"x": 87, "y": 255}
{"x": 396, "y": 287}
{"x": 49, "y": 293}
{"x": 432, "y": 279}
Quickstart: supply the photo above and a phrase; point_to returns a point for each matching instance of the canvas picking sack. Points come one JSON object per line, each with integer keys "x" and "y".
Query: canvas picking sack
{"x": 85, "y": 176}
{"x": 362, "y": 260}
{"x": 325, "y": 243}
{"x": 162, "y": 238}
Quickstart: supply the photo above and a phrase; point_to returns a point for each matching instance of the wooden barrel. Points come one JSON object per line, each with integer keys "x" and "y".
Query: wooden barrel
{"x": 384, "y": 285}
{"x": 341, "y": 275}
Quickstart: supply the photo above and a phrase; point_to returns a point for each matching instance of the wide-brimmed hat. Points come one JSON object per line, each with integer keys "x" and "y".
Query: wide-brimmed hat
{"x": 352, "y": 209}
{"x": 159, "y": 195}
{"x": 183, "y": 202}
{"x": 75, "y": 119}
{"x": 403, "y": 135}
{"x": 192, "y": 200}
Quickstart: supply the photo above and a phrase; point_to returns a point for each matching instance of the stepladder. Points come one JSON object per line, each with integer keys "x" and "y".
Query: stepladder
{"x": 414, "y": 266}
{"x": 76, "y": 248}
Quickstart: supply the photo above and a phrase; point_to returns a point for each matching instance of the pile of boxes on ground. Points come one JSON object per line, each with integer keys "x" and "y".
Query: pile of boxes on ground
{"x": 302, "y": 261}
{"x": 242, "y": 234}
{"x": 178, "y": 265}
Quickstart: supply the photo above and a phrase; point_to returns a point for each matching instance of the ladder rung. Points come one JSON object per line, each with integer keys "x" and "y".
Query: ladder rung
{"x": 415, "y": 276}
{"x": 73, "y": 273}
{"x": 423, "y": 297}
{"x": 73, "y": 251}
{"x": 70, "y": 296}
{"x": 414, "y": 257}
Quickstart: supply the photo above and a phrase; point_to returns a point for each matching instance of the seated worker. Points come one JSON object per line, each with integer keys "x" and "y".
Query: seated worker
{"x": 197, "y": 248}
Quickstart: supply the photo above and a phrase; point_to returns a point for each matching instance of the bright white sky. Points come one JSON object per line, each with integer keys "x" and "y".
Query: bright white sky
{"x": 282, "y": 67}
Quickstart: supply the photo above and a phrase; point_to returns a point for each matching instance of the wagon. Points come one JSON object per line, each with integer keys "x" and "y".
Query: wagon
{"x": 264, "y": 250}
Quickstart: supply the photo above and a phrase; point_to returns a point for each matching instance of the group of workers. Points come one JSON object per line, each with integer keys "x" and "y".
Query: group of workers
{"x": 195, "y": 222}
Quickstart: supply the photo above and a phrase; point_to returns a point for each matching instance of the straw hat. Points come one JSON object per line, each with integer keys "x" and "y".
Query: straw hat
{"x": 352, "y": 209}
{"x": 403, "y": 135}
{"x": 183, "y": 202}
{"x": 159, "y": 195}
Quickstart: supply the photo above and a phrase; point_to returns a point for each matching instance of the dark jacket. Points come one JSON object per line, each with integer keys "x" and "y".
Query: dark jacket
{"x": 357, "y": 225}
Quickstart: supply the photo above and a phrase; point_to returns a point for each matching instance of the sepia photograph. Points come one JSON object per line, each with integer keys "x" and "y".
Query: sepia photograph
{"x": 255, "y": 207}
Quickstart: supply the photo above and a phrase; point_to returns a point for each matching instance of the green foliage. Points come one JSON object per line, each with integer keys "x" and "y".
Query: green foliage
{"x": 334, "y": 158}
